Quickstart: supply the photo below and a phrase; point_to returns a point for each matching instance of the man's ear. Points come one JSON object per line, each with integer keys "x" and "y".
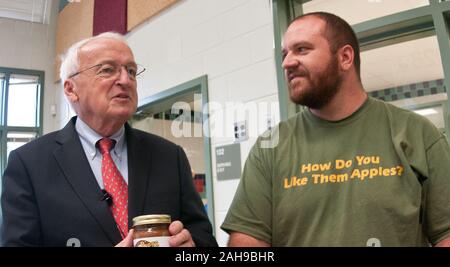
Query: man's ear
{"x": 346, "y": 56}
{"x": 69, "y": 90}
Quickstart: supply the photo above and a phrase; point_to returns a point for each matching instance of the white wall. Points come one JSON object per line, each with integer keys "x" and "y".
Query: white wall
{"x": 230, "y": 41}
{"x": 28, "y": 45}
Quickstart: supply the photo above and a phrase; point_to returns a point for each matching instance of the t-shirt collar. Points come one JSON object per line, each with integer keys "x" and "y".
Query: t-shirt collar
{"x": 354, "y": 116}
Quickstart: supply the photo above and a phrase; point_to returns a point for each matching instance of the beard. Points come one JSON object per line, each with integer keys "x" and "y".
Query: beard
{"x": 316, "y": 92}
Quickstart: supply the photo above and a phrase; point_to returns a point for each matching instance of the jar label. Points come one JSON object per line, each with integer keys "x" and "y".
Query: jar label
{"x": 156, "y": 241}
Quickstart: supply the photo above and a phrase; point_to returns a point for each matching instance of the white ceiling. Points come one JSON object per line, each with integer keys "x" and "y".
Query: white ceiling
{"x": 401, "y": 64}
{"x": 356, "y": 11}
{"x": 28, "y": 10}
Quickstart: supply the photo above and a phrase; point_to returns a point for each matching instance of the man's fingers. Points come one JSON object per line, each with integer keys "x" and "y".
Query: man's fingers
{"x": 182, "y": 239}
{"x": 175, "y": 227}
{"x": 128, "y": 241}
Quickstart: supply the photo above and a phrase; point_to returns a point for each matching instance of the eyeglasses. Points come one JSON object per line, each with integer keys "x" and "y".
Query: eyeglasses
{"x": 108, "y": 70}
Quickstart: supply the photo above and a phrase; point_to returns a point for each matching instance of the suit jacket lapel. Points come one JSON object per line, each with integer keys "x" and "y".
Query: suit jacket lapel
{"x": 72, "y": 160}
{"x": 138, "y": 171}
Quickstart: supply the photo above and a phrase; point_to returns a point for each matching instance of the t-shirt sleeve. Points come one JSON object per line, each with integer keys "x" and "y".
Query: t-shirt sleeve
{"x": 251, "y": 210}
{"x": 437, "y": 190}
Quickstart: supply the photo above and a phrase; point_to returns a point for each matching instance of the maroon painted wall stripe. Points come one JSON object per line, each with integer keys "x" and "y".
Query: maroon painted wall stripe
{"x": 110, "y": 15}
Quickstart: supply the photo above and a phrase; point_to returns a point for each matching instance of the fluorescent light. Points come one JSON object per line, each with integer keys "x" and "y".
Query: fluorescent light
{"x": 426, "y": 111}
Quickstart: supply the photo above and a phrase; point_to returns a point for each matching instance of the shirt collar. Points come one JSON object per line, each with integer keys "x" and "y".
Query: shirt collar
{"x": 91, "y": 137}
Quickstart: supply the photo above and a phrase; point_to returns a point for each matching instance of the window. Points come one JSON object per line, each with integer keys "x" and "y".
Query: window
{"x": 22, "y": 100}
{"x": 392, "y": 66}
{"x": 405, "y": 52}
{"x": 20, "y": 109}
{"x": 408, "y": 75}
{"x": 2, "y": 85}
{"x": 367, "y": 10}
{"x": 17, "y": 139}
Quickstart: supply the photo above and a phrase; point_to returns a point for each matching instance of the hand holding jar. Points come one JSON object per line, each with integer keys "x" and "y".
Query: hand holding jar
{"x": 157, "y": 231}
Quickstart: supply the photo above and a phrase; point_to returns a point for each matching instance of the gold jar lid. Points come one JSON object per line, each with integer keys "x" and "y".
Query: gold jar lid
{"x": 151, "y": 219}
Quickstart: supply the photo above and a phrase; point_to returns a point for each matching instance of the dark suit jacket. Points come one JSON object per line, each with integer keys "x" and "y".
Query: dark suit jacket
{"x": 50, "y": 194}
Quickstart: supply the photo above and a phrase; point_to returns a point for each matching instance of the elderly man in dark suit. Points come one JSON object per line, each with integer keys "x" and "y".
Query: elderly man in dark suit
{"x": 82, "y": 185}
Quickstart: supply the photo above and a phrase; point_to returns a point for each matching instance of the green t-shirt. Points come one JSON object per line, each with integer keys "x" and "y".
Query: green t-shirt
{"x": 380, "y": 177}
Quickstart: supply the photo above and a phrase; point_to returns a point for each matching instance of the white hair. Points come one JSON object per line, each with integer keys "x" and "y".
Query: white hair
{"x": 70, "y": 60}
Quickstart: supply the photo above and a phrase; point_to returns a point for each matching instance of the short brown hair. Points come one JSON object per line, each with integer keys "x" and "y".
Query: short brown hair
{"x": 338, "y": 33}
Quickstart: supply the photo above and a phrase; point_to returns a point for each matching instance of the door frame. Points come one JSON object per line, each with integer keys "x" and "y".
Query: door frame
{"x": 199, "y": 85}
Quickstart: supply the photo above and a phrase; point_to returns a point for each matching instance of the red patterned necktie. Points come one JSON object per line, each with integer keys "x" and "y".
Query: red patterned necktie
{"x": 115, "y": 185}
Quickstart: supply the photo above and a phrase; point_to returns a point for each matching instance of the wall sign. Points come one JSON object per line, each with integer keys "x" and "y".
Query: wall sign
{"x": 228, "y": 162}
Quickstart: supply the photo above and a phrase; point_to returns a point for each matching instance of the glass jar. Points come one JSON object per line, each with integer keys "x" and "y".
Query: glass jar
{"x": 151, "y": 230}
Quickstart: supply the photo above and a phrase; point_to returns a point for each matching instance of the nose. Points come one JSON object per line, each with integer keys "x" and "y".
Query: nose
{"x": 124, "y": 78}
{"x": 289, "y": 62}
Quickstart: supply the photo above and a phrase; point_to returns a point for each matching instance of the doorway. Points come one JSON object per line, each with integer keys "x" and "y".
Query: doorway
{"x": 176, "y": 114}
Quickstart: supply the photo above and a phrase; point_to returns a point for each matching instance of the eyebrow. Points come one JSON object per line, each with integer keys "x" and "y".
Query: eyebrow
{"x": 295, "y": 45}
{"x": 109, "y": 61}
{"x": 302, "y": 43}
